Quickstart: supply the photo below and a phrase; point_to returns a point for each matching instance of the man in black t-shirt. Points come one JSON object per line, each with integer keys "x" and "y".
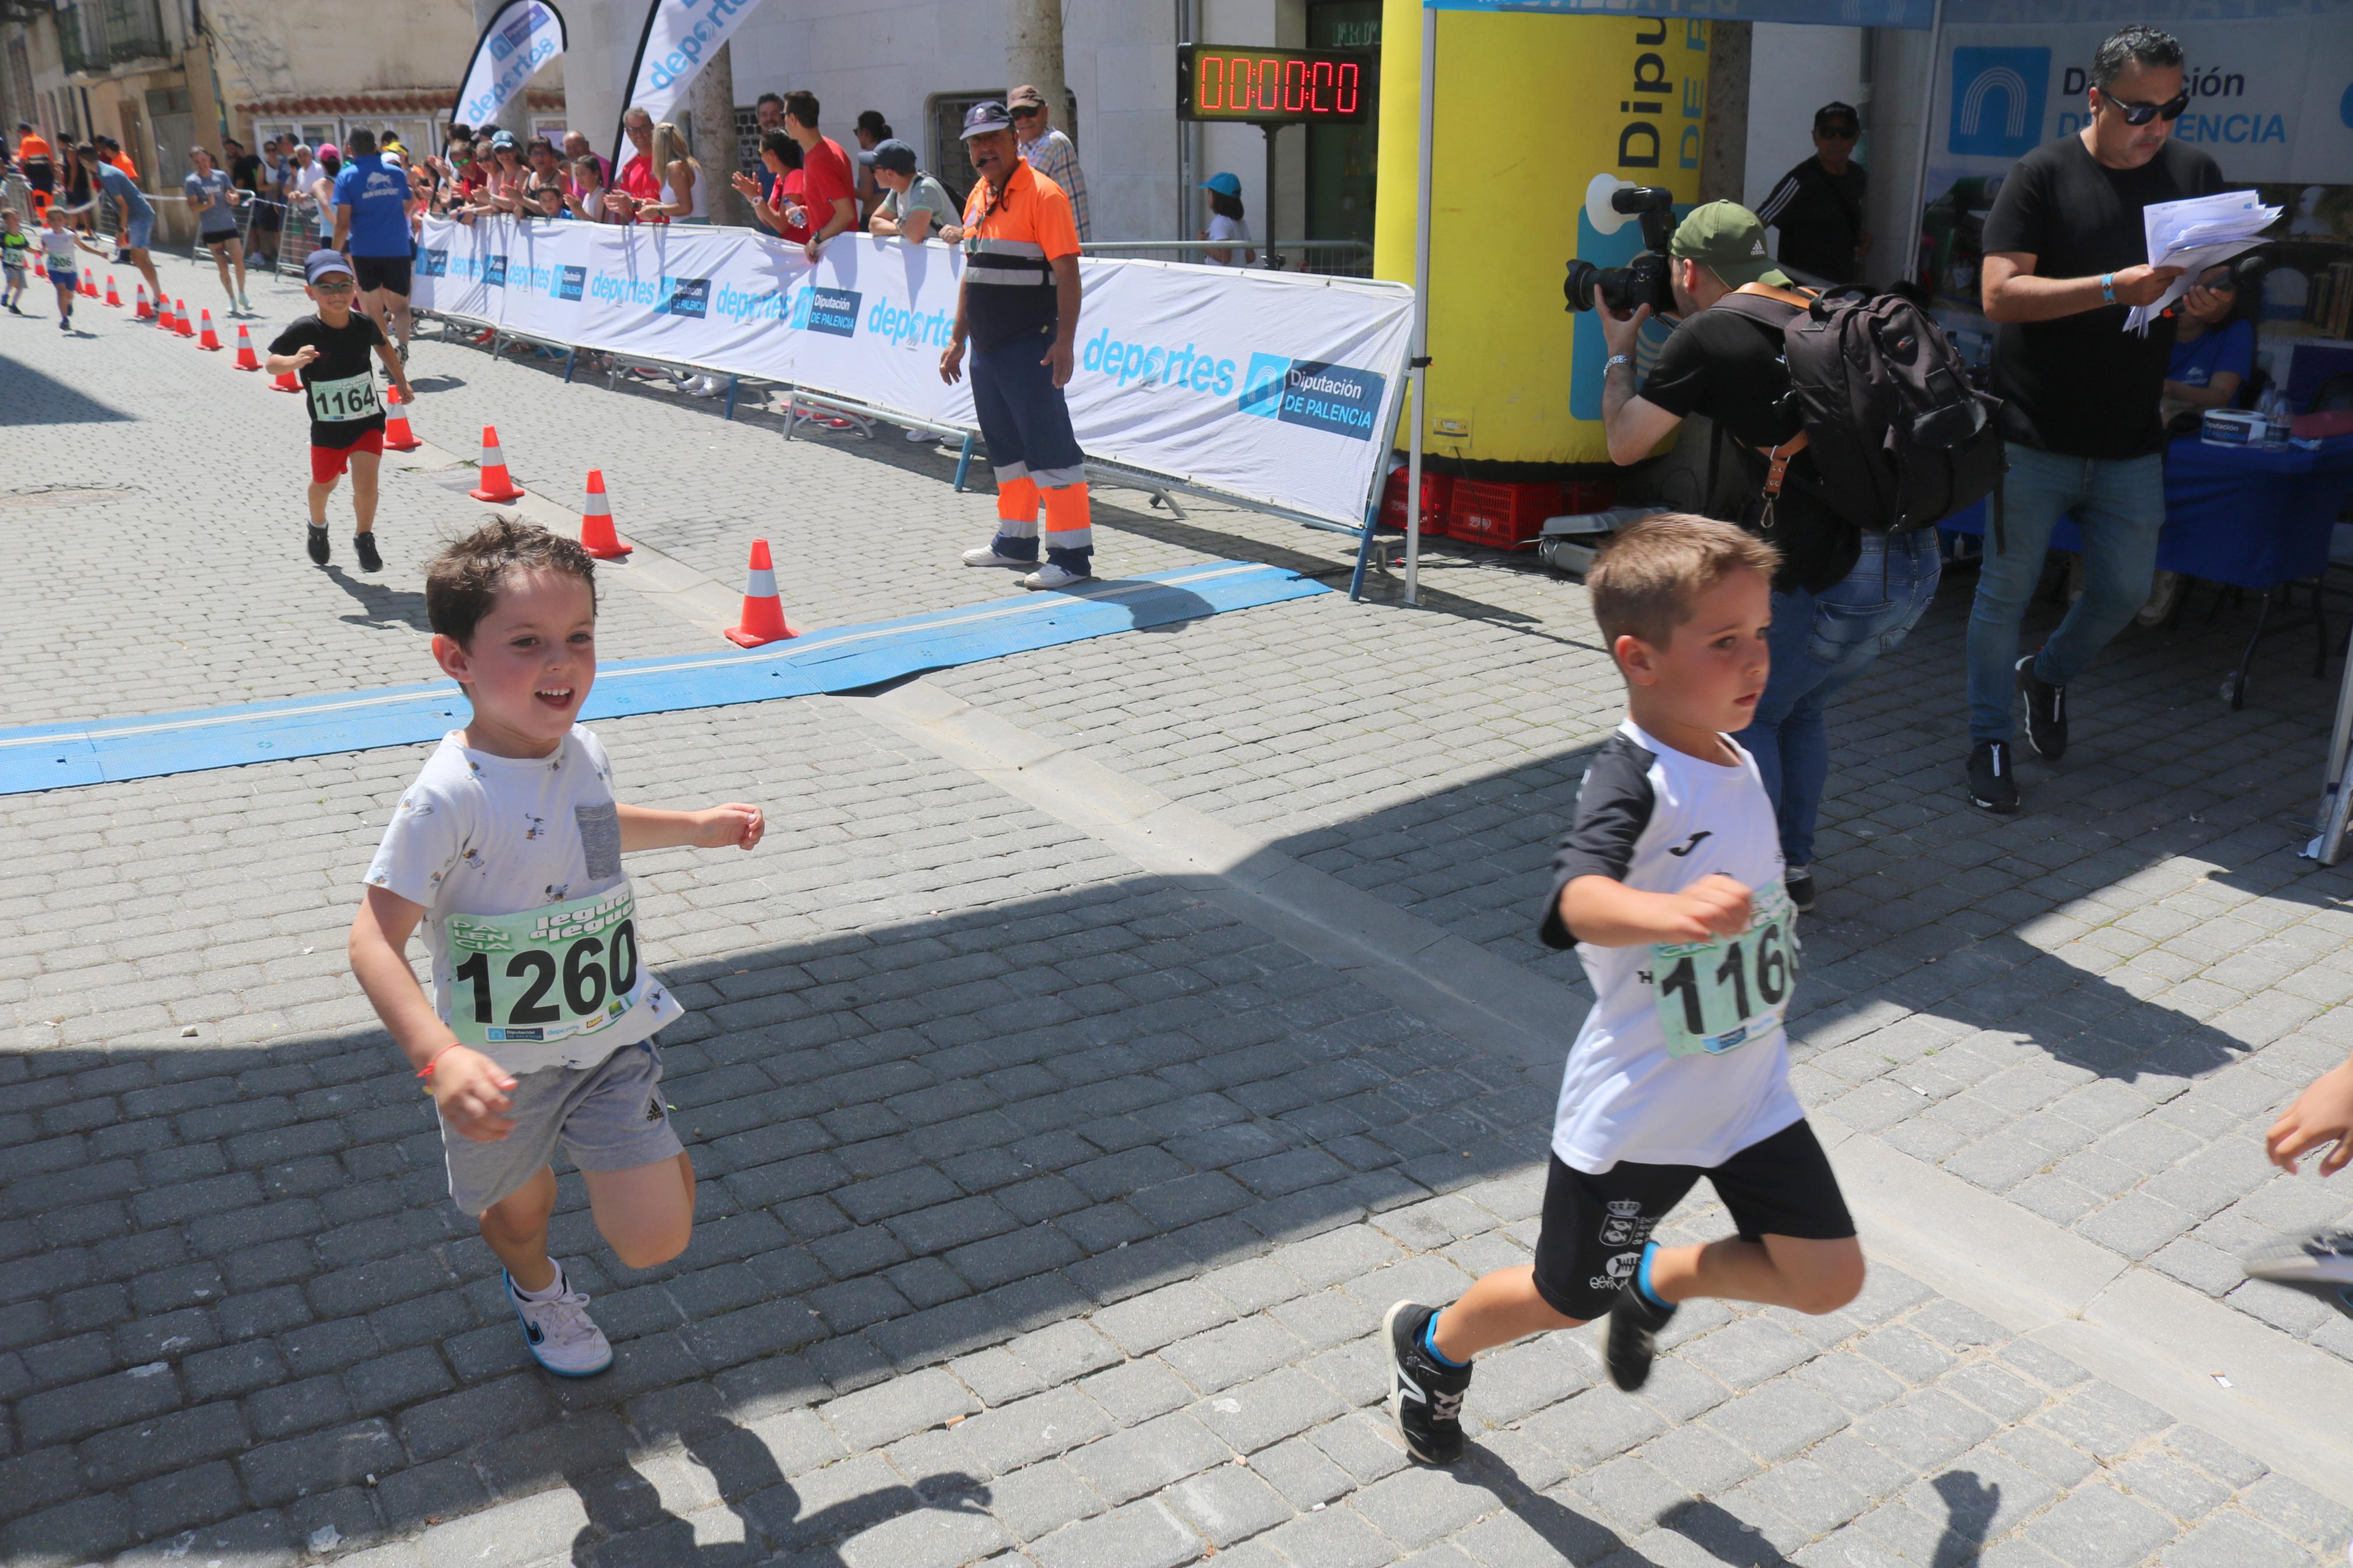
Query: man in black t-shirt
{"x": 2065, "y": 254}
{"x": 331, "y": 351}
{"x": 1844, "y": 593}
{"x": 1817, "y": 206}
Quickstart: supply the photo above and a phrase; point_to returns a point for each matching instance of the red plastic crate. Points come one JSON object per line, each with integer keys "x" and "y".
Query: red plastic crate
{"x": 1501, "y": 516}
{"x": 1437, "y": 492}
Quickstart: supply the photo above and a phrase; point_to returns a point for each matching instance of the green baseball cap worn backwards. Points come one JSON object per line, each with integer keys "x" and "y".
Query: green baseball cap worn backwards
{"x": 1725, "y": 238}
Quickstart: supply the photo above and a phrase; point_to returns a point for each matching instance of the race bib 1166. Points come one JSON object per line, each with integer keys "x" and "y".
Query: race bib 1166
{"x": 543, "y": 975}
{"x": 350, "y": 397}
{"x": 1716, "y": 996}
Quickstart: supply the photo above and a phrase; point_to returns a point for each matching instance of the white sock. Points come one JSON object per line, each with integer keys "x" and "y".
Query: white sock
{"x": 554, "y": 1287}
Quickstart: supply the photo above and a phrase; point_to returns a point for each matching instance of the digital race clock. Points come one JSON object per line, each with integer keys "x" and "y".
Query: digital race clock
{"x": 1273, "y": 87}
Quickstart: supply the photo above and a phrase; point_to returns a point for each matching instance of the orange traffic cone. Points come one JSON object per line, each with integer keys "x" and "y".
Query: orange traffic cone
{"x": 596, "y": 536}
{"x": 287, "y": 382}
{"x": 113, "y": 295}
{"x": 163, "y": 313}
{"x": 181, "y": 323}
{"x": 496, "y": 484}
{"x": 246, "y": 358}
{"x": 89, "y": 284}
{"x": 146, "y": 308}
{"x": 211, "y": 338}
{"x": 397, "y": 436}
{"x": 764, "y": 613}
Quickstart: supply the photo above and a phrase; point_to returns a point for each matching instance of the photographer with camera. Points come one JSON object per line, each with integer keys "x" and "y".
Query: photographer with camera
{"x": 1844, "y": 594}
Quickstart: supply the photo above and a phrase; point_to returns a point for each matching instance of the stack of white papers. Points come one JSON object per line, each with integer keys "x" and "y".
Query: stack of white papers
{"x": 2195, "y": 235}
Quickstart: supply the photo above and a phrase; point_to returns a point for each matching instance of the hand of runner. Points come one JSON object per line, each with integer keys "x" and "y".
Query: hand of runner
{"x": 309, "y": 351}
{"x": 1714, "y": 906}
{"x": 470, "y": 1092}
{"x": 735, "y": 824}
{"x": 2323, "y": 1113}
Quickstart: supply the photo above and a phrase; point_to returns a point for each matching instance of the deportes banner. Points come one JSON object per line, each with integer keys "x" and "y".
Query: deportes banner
{"x": 679, "y": 35}
{"x": 1272, "y": 387}
{"x": 521, "y": 38}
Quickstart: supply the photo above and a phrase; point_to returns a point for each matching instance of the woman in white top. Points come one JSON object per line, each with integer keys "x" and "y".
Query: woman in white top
{"x": 1225, "y": 221}
{"x": 687, "y": 199}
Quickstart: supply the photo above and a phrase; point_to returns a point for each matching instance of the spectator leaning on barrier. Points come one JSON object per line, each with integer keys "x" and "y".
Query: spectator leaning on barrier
{"x": 778, "y": 198}
{"x": 583, "y": 193}
{"x": 1049, "y": 152}
{"x": 1018, "y": 306}
{"x": 575, "y": 147}
{"x": 2065, "y": 253}
{"x": 1817, "y": 206}
{"x": 138, "y": 222}
{"x": 685, "y": 198}
{"x": 372, "y": 205}
{"x": 829, "y": 190}
{"x": 914, "y": 205}
{"x": 638, "y": 174}
{"x": 1843, "y": 595}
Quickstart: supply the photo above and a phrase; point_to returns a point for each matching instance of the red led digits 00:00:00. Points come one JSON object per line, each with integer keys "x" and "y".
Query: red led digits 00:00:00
{"x": 1272, "y": 86}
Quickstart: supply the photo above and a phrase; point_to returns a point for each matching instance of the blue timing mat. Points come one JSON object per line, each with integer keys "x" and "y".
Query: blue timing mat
{"x": 53, "y": 756}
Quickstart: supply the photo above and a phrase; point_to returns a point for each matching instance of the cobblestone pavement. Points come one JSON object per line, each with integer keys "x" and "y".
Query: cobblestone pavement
{"x": 1046, "y": 1206}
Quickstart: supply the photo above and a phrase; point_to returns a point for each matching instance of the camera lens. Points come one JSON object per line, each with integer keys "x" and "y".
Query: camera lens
{"x": 1577, "y": 287}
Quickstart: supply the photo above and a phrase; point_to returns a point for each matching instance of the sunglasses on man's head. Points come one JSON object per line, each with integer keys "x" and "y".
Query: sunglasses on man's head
{"x": 2142, "y": 114}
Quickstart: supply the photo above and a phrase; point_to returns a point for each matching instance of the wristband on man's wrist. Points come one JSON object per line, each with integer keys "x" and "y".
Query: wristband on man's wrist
{"x": 2108, "y": 287}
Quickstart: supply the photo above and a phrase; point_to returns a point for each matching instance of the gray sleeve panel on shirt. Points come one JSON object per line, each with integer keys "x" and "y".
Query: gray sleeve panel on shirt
{"x": 1613, "y": 806}
{"x": 1768, "y": 211}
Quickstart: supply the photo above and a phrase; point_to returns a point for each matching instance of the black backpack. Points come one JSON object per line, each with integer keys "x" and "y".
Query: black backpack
{"x": 1901, "y": 440}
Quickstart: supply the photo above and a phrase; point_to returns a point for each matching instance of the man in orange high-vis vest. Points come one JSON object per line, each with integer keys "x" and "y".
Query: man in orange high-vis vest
{"x": 1018, "y": 308}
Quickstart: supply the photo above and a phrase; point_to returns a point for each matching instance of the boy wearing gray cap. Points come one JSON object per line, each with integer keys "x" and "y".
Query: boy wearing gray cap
{"x": 329, "y": 349}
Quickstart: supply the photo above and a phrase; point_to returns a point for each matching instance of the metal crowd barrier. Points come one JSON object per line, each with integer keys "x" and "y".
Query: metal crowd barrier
{"x": 1328, "y": 257}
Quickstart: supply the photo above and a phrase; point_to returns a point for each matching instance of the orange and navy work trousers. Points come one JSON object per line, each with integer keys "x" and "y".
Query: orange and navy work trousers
{"x": 1036, "y": 456}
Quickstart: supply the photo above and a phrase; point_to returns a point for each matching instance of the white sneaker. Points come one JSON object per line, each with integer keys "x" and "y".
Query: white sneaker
{"x": 922, "y": 436}
{"x": 1053, "y": 574}
{"x": 562, "y": 1336}
{"x": 986, "y": 555}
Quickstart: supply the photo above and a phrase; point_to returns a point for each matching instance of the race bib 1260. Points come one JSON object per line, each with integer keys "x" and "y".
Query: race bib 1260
{"x": 543, "y": 975}
{"x": 351, "y": 397}
{"x": 1716, "y": 996}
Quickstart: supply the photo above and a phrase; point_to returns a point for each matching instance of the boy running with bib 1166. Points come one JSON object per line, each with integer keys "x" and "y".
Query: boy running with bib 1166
{"x": 1669, "y": 885}
{"x": 508, "y": 849}
{"x": 330, "y": 351}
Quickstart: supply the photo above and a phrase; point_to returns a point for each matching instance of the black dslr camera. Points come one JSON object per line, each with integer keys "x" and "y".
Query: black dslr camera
{"x": 1643, "y": 280}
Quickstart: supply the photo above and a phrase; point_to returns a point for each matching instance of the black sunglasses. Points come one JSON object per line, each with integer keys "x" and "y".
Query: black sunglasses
{"x": 2142, "y": 114}
{"x": 1837, "y": 133}
{"x": 1027, "y": 112}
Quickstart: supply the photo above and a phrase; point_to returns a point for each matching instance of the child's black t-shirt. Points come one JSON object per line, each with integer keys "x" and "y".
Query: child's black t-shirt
{"x": 340, "y": 384}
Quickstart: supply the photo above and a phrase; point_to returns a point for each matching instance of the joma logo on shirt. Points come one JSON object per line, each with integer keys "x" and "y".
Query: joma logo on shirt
{"x": 1691, "y": 844}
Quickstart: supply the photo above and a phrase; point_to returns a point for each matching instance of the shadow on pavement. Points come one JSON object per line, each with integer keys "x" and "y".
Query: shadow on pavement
{"x": 28, "y": 398}
{"x": 380, "y": 604}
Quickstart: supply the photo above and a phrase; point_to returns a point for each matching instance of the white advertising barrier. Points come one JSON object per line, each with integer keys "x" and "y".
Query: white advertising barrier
{"x": 1276, "y": 389}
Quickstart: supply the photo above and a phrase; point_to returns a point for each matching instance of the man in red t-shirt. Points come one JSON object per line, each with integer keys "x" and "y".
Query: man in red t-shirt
{"x": 829, "y": 188}
{"x": 638, "y": 176}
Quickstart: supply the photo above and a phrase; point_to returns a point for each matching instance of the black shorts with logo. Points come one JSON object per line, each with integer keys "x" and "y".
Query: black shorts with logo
{"x": 374, "y": 272}
{"x": 1595, "y": 1226}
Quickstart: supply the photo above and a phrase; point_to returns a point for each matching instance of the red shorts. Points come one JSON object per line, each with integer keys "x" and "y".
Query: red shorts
{"x": 327, "y": 463}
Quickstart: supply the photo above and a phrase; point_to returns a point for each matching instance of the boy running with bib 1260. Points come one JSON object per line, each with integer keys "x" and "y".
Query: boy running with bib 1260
{"x": 330, "y": 351}
{"x": 1669, "y": 885}
{"x": 507, "y": 850}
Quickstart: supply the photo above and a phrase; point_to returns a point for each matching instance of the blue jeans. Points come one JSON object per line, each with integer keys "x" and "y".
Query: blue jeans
{"x": 1820, "y": 643}
{"x": 2120, "y": 504}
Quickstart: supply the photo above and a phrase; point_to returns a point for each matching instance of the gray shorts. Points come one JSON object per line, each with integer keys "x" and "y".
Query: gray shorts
{"x": 609, "y": 1116}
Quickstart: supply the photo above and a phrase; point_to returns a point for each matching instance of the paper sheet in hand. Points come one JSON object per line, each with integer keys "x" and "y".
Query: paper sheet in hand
{"x": 2195, "y": 235}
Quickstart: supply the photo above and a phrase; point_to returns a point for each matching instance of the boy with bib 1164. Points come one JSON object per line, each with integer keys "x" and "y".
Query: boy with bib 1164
{"x": 1669, "y": 885}
{"x": 330, "y": 350}
{"x": 507, "y": 849}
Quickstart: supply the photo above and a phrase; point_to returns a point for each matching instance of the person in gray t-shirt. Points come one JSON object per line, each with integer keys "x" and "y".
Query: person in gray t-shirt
{"x": 214, "y": 201}
{"x": 914, "y": 205}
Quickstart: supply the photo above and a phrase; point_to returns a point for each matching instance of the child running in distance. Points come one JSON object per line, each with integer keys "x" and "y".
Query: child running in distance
{"x": 507, "y": 850}
{"x": 59, "y": 240}
{"x": 330, "y": 351}
{"x": 1669, "y": 885}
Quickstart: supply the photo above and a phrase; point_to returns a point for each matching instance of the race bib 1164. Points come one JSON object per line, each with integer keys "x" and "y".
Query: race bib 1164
{"x": 349, "y": 397}
{"x": 543, "y": 975}
{"x": 1716, "y": 996}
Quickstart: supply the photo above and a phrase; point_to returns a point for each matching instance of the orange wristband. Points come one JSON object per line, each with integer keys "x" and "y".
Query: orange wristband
{"x": 427, "y": 1070}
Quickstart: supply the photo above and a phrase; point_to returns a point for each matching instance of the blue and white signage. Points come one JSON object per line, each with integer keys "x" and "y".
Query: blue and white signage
{"x": 522, "y": 37}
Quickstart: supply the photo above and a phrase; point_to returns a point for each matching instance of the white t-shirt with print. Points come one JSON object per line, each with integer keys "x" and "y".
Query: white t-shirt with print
{"x": 1658, "y": 820}
{"x": 483, "y": 834}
